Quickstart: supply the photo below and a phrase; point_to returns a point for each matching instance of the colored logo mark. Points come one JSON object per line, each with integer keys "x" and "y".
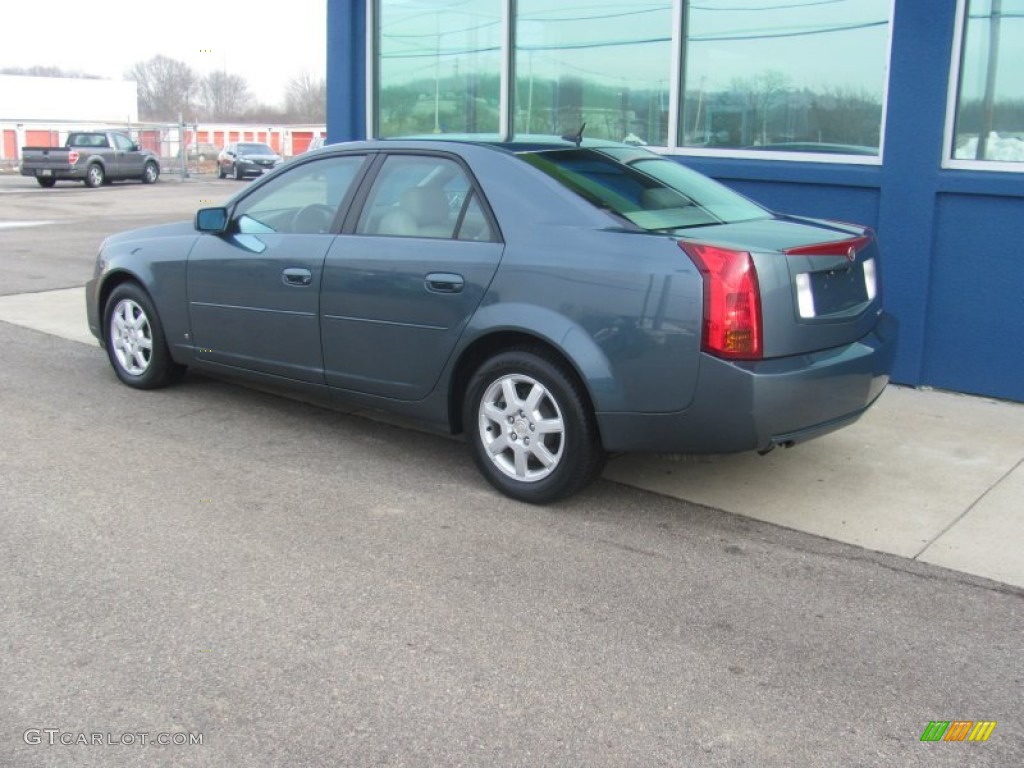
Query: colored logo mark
{"x": 958, "y": 730}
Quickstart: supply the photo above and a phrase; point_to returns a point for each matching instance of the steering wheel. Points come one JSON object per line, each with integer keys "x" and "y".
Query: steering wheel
{"x": 313, "y": 219}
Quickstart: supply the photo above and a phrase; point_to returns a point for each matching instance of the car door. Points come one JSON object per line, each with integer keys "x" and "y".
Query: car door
{"x": 128, "y": 158}
{"x": 401, "y": 287}
{"x": 254, "y": 291}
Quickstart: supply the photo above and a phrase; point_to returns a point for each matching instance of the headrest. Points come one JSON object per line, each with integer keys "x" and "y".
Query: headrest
{"x": 427, "y": 205}
{"x": 660, "y": 198}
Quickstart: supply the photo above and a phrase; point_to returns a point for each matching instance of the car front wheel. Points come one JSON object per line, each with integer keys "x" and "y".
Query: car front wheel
{"x": 531, "y": 430}
{"x": 239, "y": 174}
{"x": 135, "y": 340}
{"x": 150, "y": 173}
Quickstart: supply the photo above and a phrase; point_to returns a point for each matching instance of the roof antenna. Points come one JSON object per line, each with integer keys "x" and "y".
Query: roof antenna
{"x": 576, "y": 138}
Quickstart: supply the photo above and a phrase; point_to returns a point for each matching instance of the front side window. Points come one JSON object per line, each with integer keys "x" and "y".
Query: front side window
{"x": 793, "y": 76}
{"x": 304, "y": 200}
{"x": 989, "y": 117}
{"x": 417, "y": 196}
{"x": 601, "y": 62}
{"x": 439, "y": 67}
{"x": 123, "y": 143}
{"x": 646, "y": 189}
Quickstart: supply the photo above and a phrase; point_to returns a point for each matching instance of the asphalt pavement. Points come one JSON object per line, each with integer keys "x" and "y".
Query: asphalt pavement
{"x": 293, "y": 586}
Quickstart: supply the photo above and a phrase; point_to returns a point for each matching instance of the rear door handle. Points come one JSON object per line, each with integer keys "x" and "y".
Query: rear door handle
{"x": 444, "y": 282}
{"x": 296, "y": 276}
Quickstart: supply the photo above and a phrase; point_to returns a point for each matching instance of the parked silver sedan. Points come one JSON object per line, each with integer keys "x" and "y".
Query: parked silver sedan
{"x": 553, "y": 300}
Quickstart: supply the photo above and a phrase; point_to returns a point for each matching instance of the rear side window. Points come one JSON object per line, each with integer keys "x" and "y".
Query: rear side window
{"x": 424, "y": 196}
{"x": 651, "y": 192}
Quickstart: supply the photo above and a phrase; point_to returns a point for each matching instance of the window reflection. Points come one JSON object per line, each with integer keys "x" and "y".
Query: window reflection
{"x": 439, "y": 66}
{"x": 602, "y": 62}
{"x": 796, "y": 75}
{"x": 804, "y": 75}
{"x": 990, "y": 103}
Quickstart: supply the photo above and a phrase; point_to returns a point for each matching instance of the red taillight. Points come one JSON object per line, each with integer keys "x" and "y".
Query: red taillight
{"x": 847, "y": 248}
{"x": 732, "y": 302}
{"x": 73, "y": 156}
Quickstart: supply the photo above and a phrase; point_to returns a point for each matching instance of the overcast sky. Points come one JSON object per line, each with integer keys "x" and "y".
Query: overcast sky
{"x": 266, "y": 44}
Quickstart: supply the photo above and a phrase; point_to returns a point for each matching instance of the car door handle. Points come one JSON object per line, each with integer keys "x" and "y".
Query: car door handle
{"x": 296, "y": 276}
{"x": 444, "y": 282}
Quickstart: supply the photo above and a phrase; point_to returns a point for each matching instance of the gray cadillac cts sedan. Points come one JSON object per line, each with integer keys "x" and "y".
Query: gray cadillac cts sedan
{"x": 555, "y": 300}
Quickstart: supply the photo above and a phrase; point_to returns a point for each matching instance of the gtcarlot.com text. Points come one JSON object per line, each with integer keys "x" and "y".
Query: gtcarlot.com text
{"x": 58, "y": 737}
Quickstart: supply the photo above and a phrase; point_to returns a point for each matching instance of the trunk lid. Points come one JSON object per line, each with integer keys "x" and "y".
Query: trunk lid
{"x": 819, "y": 281}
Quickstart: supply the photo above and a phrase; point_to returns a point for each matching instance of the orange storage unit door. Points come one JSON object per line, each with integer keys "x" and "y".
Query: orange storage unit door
{"x": 300, "y": 141}
{"x": 41, "y": 138}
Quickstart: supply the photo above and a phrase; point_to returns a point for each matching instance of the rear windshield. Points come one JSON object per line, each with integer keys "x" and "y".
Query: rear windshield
{"x": 648, "y": 190}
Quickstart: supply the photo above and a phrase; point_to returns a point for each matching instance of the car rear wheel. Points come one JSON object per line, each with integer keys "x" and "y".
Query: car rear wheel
{"x": 94, "y": 175}
{"x": 531, "y": 430}
{"x": 135, "y": 340}
{"x": 46, "y": 181}
{"x": 150, "y": 173}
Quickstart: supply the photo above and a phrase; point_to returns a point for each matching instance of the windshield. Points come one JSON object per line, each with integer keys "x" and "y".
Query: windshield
{"x": 650, "y": 191}
{"x": 255, "y": 149}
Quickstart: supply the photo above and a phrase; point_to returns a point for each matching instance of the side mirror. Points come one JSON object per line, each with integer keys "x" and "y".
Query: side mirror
{"x": 212, "y": 219}
{"x": 135, "y": 148}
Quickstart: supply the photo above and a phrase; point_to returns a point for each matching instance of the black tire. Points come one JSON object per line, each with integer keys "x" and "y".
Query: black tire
{"x": 239, "y": 174}
{"x": 220, "y": 172}
{"x": 545, "y": 393}
{"x": 46, "y": 181}
{"x": 95, "y": 175}
{"x": 135, "y": 340}
{"x": 150, "y": 173}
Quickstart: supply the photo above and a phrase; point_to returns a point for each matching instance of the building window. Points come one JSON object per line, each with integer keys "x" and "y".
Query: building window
{"x": 439, "y": 66}
{"x": 989, "y": 110}
{"x": 710, "y": 76}
{"x": 801, "y": 75}
{"x": 601, "y": 62}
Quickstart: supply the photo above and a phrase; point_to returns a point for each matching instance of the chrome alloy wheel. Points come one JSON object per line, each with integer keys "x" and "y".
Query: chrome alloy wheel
{"x": 521, "y": 427}
{"x": 131, "y": 337}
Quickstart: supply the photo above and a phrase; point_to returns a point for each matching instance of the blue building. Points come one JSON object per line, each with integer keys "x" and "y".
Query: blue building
{"x": 907, "y": 115}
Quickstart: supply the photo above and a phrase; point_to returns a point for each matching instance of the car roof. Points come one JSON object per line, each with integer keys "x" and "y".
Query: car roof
{"x": 515, "y": 145}
{"x": 523, "y": 143}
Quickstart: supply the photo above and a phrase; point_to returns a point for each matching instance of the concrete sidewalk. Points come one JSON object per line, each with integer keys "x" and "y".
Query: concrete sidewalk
{"x": 926, "y": 475}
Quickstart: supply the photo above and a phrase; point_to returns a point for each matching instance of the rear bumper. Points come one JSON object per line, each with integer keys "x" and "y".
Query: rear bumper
{"x": 744, "y": 406}
{"x": 61, "y": 174}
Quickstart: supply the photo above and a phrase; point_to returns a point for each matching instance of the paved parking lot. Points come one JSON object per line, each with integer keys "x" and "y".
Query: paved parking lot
{"x": 301, "y": 587}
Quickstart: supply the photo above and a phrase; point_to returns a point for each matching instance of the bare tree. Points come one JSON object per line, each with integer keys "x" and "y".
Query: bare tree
{"x": 225, "y": 96}
{"x": 259, "y": 112}
{"x": 167, "y": 88}
{"x": 763, "y": 93}
{"x": 845, "y": 116}
{"x": 306, "y": 98}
